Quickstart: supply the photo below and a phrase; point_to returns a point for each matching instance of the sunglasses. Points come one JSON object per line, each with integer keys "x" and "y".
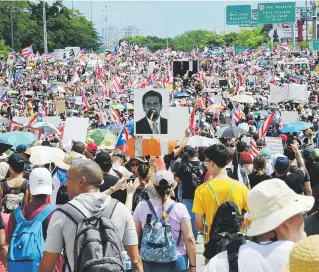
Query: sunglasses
{"x": 135, "y": 164}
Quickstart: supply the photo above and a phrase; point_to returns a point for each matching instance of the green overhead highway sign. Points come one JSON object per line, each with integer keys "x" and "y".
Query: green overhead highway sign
{"x": 238, "y": 15}
{"x": 254, "y": 19}
{"x": 274, "y": 13}
{"x": 315, "y": 44}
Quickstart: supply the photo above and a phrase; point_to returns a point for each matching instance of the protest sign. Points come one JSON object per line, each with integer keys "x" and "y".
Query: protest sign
{"x": 54, "y": 120}
{"x": 288, "y": 117}
{"x": 78, "y": 100}
{"x": 75, "y": 129}
{"x": 274, "y": 144}
{"x": 22, "y": 120}
{"x": 151, "y": 111}
{"x": 60, "y": 106}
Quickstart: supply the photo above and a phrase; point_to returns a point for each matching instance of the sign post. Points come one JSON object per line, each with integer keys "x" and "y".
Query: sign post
{"x": 274, "y": 13}
{"x": 238, "y": 15}
{"x": 315, "y": 45}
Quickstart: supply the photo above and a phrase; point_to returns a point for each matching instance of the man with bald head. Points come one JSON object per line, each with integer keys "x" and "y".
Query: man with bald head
{"x": 84, "y": 180}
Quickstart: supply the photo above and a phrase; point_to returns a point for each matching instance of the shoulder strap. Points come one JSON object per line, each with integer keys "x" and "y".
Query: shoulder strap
{"x": 170, "y": 208}
{"x": 149, "y": 203}
{"x": 68, "y": 209}
{"x": 18, "y": 215}
{"x": 232, "y": 254}
{"x": 44, "y": 213}
{"x": 109, "y": 209}
{"x": 231, "y": 190}
{"x": 214, "y": 192}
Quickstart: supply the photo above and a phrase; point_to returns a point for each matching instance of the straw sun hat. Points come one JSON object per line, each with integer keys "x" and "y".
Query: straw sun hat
{"x": 304, "y": 256}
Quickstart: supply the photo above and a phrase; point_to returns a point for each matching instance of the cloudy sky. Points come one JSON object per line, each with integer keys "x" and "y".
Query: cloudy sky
{"x": 150, "y": 15}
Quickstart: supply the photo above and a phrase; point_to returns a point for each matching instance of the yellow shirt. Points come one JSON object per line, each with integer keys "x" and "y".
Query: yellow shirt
{"x": 205, "y": 203}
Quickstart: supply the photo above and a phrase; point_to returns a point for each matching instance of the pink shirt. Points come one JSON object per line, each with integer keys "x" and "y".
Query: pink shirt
{"x": 176, "y": 217}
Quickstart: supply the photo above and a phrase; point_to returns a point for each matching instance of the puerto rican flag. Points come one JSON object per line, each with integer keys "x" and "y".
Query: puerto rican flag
{"x": 248, "y": 51}
{"x": 34, "y": 119}
{"x": 98, "y": 70}
{"x": 265, "y": 125}
{"x": 117, "y": 84}
{"x": 201, "y": 76}
{"x": 155, "y": 77}
{"x": 114, "y": 115}
{"x": 4, "y": 96}
{"x": 253, "y": 148}
{"x": 27, "y": 52}
{"x": 2, "y": 102}
{"x": 75, "y": 78}
{"x": 236, "y": 115}
{"x": 149, "y": 81}
{"x": 82, "y": 52}
{"x": 195, "y": 52}
{"x": 122, "y": 140}
{"x": 85, "y": 102}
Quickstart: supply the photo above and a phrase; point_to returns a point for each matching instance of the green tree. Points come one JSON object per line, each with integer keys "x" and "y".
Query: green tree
{"x": 4, "y": 49}
{"x": 230, "y": 38}
{"x": 251, "y": 38}
{"x": 63, "y": 27}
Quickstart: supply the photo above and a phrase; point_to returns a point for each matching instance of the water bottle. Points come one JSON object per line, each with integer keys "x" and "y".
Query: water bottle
{"x": 126, "y": 261}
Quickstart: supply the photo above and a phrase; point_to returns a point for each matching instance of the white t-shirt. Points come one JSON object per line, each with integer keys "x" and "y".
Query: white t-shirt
{"x": 255, "y": 257}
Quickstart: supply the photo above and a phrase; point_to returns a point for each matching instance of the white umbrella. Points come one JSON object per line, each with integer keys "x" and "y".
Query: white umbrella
{"x": 200, "y": 141}
{"x": 244, "y": 126}
{"x": 243, "y": 98}
{"x": 41, "y": 155}
{"x": 46, "y": 127}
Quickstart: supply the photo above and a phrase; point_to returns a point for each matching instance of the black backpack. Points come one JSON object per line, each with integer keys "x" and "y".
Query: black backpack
{"x": 226, "y": 225}
{"x": 97, "y": 244}
{"x": 197, "y": 172}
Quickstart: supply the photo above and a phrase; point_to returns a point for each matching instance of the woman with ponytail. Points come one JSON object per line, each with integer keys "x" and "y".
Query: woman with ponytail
{"x": 258, "y": 175}
{"x": 179, "y": 220}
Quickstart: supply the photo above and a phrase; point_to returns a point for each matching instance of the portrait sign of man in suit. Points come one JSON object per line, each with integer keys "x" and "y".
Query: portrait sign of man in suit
{"x": 152, "y": 123}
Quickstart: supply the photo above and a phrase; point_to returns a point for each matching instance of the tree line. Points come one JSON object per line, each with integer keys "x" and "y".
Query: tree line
{"x": 251, "y": 38}
{"x": 64, "y": 26}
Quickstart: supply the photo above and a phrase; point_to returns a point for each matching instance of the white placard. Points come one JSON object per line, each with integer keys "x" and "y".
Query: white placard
{"x": 75, "y": 129}
{"x": 78, "y": 100}
{"x": 152, "y": 102}
{"x": 54, "y": 120}
{"x": 288, "y": 117}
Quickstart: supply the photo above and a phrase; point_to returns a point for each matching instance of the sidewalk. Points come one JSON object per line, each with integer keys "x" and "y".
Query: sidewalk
{"x": 200, "y": 259}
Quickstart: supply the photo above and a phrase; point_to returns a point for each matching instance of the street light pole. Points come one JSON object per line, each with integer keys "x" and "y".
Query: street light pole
{"x": 45, "y": 30}
{"x": 91, "y": 11}
{"x": 106, "y": 25}
{"x": 166, "y": 31}
{"x": 11, "y": 21}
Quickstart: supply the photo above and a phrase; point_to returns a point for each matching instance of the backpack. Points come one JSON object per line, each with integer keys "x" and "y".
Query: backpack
{"x": 97, "y": 244}
{"x": 226, "y": 225}
{"x": 197, "y": 173}
{"x": 11, "y": 200}
{"x": 62, "y": 196}
{"x": 157, "y": 243}
{"x": 27, "y": 242}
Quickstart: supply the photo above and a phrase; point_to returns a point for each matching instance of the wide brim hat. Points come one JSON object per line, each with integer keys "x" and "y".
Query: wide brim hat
{"x": 271, "y": 203}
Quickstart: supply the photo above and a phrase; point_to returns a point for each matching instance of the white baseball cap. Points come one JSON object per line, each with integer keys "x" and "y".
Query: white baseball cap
{"x": 271, "y": 203}
{"x": 163, "y": 175}
{"x": 40, "y": 182}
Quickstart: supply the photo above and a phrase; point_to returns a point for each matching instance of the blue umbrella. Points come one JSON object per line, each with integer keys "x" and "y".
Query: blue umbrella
{"x": 181, "y": 95}
{"x": 16, "y": 138}
{"x": 296, "y": 127}
{"x": 15, "y": 75}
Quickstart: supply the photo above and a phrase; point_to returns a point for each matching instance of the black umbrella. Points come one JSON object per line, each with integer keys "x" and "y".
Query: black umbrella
{"x": 4, "y": 147}
{"x": 230, "y": 132}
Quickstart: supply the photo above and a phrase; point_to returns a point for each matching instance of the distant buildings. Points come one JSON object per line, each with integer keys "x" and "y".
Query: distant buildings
{"x": 116, "y": 34}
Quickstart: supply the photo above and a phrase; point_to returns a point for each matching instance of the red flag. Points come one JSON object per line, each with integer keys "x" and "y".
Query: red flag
{"x": 265, "y": 125}
{"x": 98, "y": 70}
{"x": 192, "y": 121}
